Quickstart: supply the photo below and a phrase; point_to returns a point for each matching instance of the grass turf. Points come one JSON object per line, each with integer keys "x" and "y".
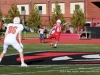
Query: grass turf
{"x": 60, "y": 47}
{"x": 52, "y": 70}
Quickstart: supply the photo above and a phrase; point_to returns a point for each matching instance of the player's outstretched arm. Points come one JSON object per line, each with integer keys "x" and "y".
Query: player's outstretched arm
{"x": 51, "y": 30}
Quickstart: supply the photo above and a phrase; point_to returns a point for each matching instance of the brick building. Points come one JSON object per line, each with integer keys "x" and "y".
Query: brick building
{"x": 91, "y": 8}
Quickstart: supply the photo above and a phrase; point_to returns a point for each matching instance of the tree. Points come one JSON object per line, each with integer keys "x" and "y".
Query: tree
{"x": 78, "y": 18}
{"x": 34, "y": 19}
{"x": 0, "y": 15}
{"x": 0, "y": 19}
{"x": 13, "y": 12}
{"x": 57, "y": 14}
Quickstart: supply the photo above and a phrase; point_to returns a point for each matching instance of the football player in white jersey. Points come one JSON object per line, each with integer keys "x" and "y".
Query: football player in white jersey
{"x": 14, "y": 29}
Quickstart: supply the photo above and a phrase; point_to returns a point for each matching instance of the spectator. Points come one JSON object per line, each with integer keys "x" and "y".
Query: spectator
{"x": 71, "y": 29}
{"x": 41, "y": 32}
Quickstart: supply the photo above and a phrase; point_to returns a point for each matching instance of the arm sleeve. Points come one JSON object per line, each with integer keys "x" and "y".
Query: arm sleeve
{"x": 20, "y": 33}
{"x": 51, "y": 30}
{"x": 21, "y": 27}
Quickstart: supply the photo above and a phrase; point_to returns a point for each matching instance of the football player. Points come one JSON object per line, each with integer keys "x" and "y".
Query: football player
{"x": 14, "y": 29}
{"x": 55, "y": 33}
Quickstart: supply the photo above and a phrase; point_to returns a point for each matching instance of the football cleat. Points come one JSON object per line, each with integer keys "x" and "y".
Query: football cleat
{"x": 54, "y": 47}
{"x": 24, "y": 65}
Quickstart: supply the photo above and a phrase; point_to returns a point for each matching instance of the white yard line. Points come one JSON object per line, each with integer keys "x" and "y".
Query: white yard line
{"x": 60, "y": 70}
{"x": 30, "y": 72}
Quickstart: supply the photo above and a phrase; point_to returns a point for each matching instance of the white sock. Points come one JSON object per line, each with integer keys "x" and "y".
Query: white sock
{"x": 55, "y": 45}
{"x": 22, "y": 61}
{"x": 0, "y": 59}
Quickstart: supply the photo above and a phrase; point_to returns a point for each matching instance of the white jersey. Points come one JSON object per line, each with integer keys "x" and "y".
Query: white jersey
{"x": 10, "y": 38}
{"x": 13, "y": 30}
{"x": 41, "y": 31}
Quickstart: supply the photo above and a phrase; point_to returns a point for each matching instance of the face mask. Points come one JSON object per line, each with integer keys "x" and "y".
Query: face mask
{"x": 58, "y": 23}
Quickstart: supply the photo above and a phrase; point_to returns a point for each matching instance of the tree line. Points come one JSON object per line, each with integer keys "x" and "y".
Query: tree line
{"x": 34, "y": 19}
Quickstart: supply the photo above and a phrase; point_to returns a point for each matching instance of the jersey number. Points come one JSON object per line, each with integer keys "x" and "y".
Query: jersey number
{"x": 12, "y": 29}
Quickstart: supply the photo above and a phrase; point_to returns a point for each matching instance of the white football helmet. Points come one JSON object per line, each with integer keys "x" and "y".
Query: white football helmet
{"x": 16, "y": 20}
{"x": 58, "y": 21}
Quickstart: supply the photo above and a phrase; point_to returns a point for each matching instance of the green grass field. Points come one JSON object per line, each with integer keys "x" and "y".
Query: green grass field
{"x": 27, "y": 35}
{"x": 49, "y": 69}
